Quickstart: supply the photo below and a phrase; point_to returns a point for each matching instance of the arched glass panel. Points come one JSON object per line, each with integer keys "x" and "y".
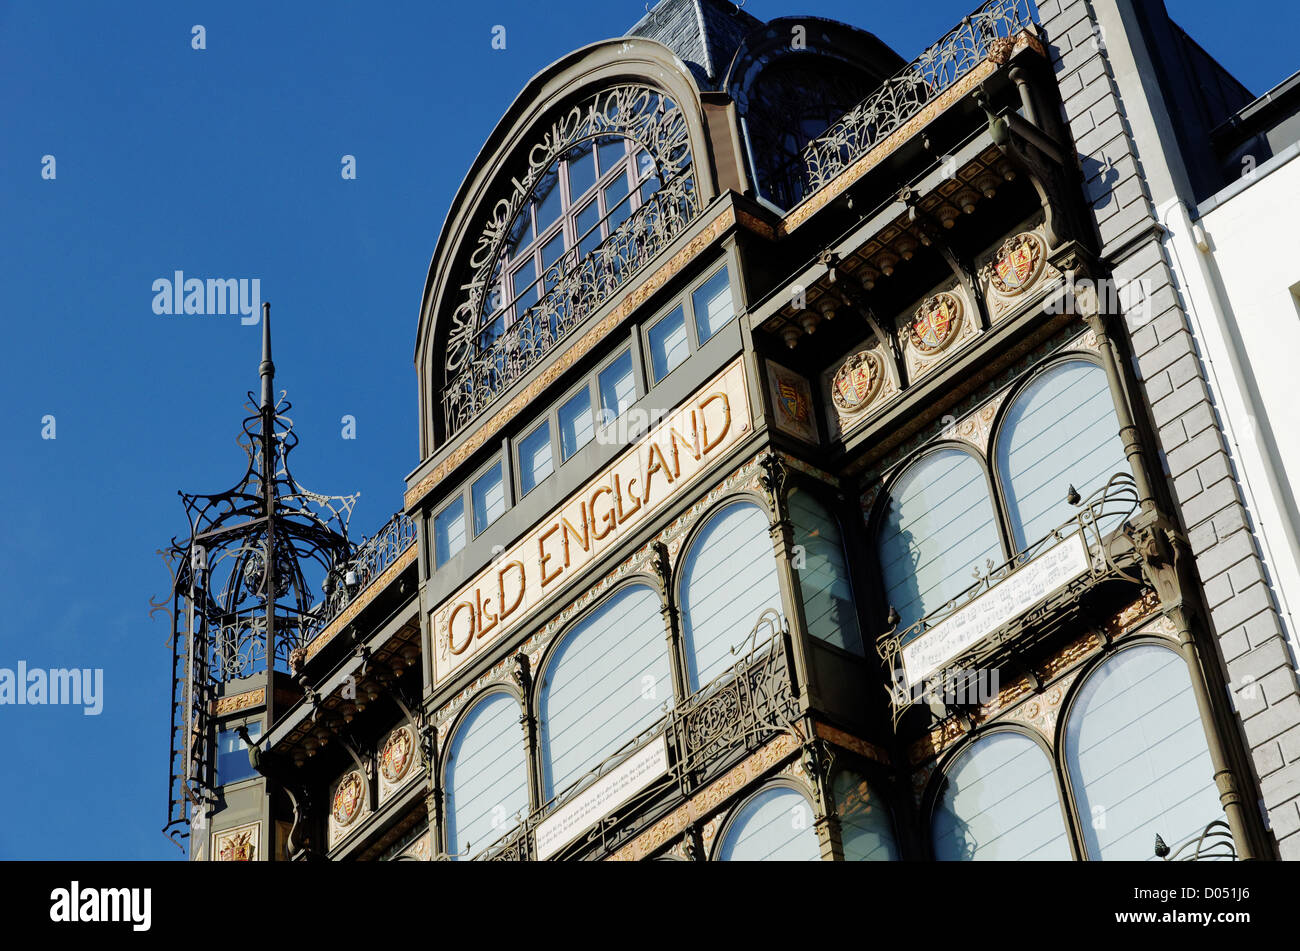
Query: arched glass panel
{"x": 728, "y": 580}
{"x": 1137, "y": 756}
{"x": 608, "y": 681}
{"x": 775, "y": 826}
{"x": 828, "y": 605}
{"x": 999, "y": 802}
{"x": 1060, "y": 431}
{"x": 865, "y": 827}
{"x": 939, "y": 526}
{"x": 486, "y": 777}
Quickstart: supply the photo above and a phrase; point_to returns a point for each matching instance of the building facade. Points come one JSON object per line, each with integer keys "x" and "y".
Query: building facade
{"x": 819, "y": 461}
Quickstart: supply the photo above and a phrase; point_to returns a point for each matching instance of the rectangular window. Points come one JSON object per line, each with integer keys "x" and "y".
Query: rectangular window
{"x": 524, "y": 288}
{"x": 712, "y": 305}
{"x": 617, "y": 387}
{"x": 232, "y": 755}
{"x": 576, "y": 428}
{"x": 582, "y": 171}
{"x": 535, "y": 460}
{"x": 668, "y": 343}
{"x": 588, "y": 222}
{"x": 449, "y": 531}
{"x": 617, "y": 205}
{"x": 488, "y": 496}
{"x": 612, "y": 151}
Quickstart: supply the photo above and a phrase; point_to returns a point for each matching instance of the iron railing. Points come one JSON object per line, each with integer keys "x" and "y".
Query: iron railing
{"x": 574, "y": 290}
{"x": 372, "y": 558}
{"x": 734, "y": 714}
{"x": 1213, "y": 844}
{"x": 903, "y": 95}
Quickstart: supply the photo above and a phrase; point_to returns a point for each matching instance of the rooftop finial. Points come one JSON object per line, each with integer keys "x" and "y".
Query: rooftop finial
{"x": 267, "y": 368}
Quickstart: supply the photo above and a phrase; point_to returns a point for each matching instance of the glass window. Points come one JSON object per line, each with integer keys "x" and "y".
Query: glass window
{"x": 487, "y": 777}
{"x": 535, "y": 460}
{"x": 232, "y": 755}
{"x": 823, "y": 572}
{"x": 576, "y": 426}
{"x": 612, "y": 150}
{"x": 939, "y": 527}
{"x": 728, "y": 580}
{"x": 1060, "y": 431}
{"x": 548, "y": 202}
{"x": 525, "y": 288}
{"x": 1137, "y": 756}
{"x": 617, "y": 205}
{"x": 999, "y": 802}
{"x": 552, "y": 250}
{"x": 488, "y": 496}
{"x": 776, "y": 825}
{"x": 449, "y": 531}
{"x": 608, "y": 681}
{"x": 865, "y": 827}
{"x": 712, "y": 305}
{"x": 588, "y": 231}
{"x": 617, "y": 387}
{"x": 668, "y": 343}
{"x": 582, "y": 171}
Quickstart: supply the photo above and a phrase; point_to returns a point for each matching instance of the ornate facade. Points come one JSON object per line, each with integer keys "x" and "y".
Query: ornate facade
{"x": 788, "y": 491}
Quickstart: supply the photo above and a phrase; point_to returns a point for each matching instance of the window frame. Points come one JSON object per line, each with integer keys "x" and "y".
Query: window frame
{"x": 685, "y": 299}
{"x": 729, "y": 823}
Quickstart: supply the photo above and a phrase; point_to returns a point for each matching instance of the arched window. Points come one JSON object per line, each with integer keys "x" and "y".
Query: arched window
{"x": 776, "y": 825}
{"x": 608, "y": 680}
{"x": 1137, "y": 756}
{"x": 999, "y": 802}
{"x": 486, "y": 779}
{"x": 938, "y": 527}
{"x": 728, "y": 580}
{"x": 828, "y": 605}
{"x": 866, "y": 831}
{"x": 1060, "y": 431}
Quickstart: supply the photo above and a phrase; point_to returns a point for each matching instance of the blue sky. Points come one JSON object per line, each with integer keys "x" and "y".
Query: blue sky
{"x": 225, "y": 162}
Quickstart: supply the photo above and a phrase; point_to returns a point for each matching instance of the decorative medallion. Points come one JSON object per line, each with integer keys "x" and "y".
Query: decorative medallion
{"x": 236, "y": 845}
{"x": 347, "y": 799}
{"x": 1017, "y": 264}
{"x": 857, "y": 382}
{"x": 395, "y": 759}
{"x": 792, "y": 403}
{"x": 936, "y": 323}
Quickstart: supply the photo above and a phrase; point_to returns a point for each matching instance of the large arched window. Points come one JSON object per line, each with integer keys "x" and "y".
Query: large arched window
{"x": 939, "y": 525}
{"x": 486, "y": 778}
{"x": 828, "y": 605}
{"x": 999, "y": 802}
{"x": 728, "y": 580}
{"x": 775, "y": 825}
{"x": 608, "y": 680}
{"x": 1137, "y": 756}
{"x": 1060, "y": 431}
{"x": 866, "y": 831}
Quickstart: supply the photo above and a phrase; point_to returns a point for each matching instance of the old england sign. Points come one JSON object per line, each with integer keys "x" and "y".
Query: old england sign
{"x": 593, "y": 520}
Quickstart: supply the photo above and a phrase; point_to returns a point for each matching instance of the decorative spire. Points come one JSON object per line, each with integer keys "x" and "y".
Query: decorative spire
{"x": 267, "y": 368}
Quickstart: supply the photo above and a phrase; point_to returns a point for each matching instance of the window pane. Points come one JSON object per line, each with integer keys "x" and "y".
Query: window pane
{"x": 728, "y": 580}
{"x": 535, "y": 460}
{"x": 645, "y": 166}
{"x": 828, "y": 604}
{"x": 1061, "y": 431}
{"x": 775, "y": 826}
{"x": 1137, "y": 756}
{"x": 521, "y": 234}
{"x": 552, "y": 250}
{"x": 576, "y": 426}
{"x": 668, "y": 343}
{"x": 487, "y": 777}
{"x": 547, "y": 199}
{"x": 712, "y": 305}
{"x": 524, "y": 288}
{"x": 1000, "y": 803}
{"x": 617, "y": 388}
{"x": 449, "y": 531}
{"x": 582, "y": 171}
{"x": 612, "y": 150}
{"x": 588, "y": 231}
{"x": 648, "y": 188}
{"x": 865, "y": 826}
{"x": 608, "y": 681}
{"x": 938, "y": 528}
{"x": 488, "y": 497}
{"x": 232, "y": 755}
{"x": 617, "y": 206}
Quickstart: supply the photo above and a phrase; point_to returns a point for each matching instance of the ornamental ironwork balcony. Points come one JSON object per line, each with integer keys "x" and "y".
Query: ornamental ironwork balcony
{"x": 716, "y": 727}
{"x": 372, "y": 558}
{"x": 1020, "y": 602}
{"x": 902, "y": 97}
{"x": 574, "y": 288}
{"x": 1213, "y": 844}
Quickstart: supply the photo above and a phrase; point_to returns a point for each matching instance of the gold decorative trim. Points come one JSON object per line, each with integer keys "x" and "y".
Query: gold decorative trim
{"x": 345, "y": 616}
{"x": 852, "y": 743}
{"x": 241, "y": 701}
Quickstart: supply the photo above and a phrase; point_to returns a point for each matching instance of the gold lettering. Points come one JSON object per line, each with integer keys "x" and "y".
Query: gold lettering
{"x": 483, "y": 614}
{"x": 618, "y": 498}
{"x": 607, "y": 520}
{"x": 711, "y": 444}
{"x": 692, "y": 445}
{"x": 545, "y": 555}
{"x": 451, "y": 624}
{"x": 652, "y": 467}
{"x": 583, "y": 538}
{"x": 501, "y": 588}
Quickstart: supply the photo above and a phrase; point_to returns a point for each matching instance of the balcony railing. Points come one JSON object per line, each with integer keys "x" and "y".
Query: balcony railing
{"x": 904, "y": 95}
{"x": 372, "y": 558}
{"x": 733, "y": 715}
{"x": 574, "y": 290}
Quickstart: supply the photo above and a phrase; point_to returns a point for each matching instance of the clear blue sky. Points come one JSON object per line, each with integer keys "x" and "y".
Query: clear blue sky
{"x": 226, "y": 163}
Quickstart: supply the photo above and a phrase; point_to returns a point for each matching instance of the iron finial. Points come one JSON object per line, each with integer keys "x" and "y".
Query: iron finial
{"x": 267, "y": 368}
